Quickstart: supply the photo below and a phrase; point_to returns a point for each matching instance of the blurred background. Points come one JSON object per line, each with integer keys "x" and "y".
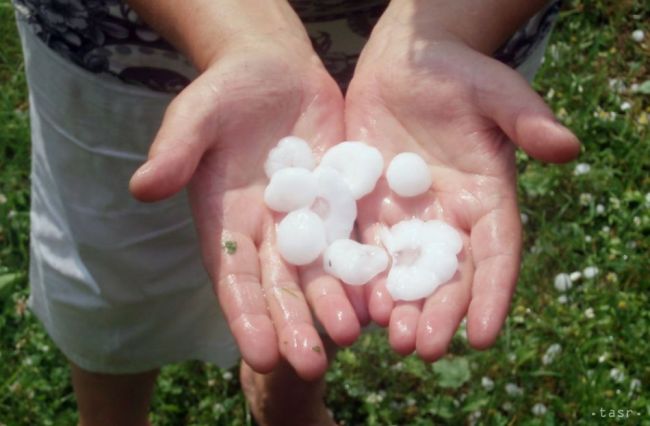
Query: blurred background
{"x": 576, "y": 346}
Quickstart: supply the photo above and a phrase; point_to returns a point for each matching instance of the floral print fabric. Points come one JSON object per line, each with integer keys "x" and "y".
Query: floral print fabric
{"x": 107, "y": 37}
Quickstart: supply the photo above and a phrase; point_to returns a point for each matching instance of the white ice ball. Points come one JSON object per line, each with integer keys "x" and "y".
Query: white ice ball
{"x": 291, "y": 189}
{"x": 638, "y": 36}
{"x": 291, "y": 151}
{"x": 408, "y": 175}
{"x": 334, "y": 203}
{"x": 301, "y": 237}
{"x": 360, "y": 165}
{"x": 354, "y": 263}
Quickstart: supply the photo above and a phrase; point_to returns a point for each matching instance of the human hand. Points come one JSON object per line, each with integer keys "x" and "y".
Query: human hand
{"x": 459, "y": 109}
{"x": 215, "y": 136}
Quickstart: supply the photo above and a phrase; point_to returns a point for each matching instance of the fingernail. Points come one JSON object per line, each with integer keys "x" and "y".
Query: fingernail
{"x": 144, "y": 169}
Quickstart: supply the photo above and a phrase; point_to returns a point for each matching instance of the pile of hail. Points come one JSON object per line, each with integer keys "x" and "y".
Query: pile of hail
{"x": 320, "y": 202}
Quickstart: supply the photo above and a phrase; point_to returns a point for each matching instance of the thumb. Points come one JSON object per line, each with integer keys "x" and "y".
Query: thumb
{"x": 526, "y": 119}
{"x": 188, "y": 129}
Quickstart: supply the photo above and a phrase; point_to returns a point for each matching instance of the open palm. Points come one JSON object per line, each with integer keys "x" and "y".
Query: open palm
{"x": 216, "y": 136}
{"x": 459, "y": 110}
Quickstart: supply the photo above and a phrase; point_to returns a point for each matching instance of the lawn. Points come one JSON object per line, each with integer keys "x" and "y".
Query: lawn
{"x": 577, "y": 355}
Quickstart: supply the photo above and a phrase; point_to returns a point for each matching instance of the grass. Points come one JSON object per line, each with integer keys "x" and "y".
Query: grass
{"x": 601, "y": 218}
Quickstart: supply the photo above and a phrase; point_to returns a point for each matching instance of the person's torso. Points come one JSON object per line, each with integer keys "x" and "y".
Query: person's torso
{"x": 107, "y": 37}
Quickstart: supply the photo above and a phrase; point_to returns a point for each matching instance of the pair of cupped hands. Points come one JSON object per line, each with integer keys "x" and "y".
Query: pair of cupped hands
{"x": 461, "y": 110}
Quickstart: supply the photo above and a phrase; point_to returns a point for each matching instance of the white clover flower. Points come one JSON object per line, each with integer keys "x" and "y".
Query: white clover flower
{"x": 474, "y": 418}
{"x": 588, "y": 238}
{"x": 638, "y": 36}
{"x": 589, "y": 313}
{"x": 647, "y": 198}
{"x": 603, "y": 357}
{"x": 227, "y": 376}
{"x": 463, "y": 333}
{"x": 581, "y": 169}
{"x": 3, "y": 199}
{"x": 616, "y": 375}
{"x": 590, "y": 272}
{"x": 585, "y": 199}
{"x": 635, "y": 385}
{"x": 507, "y": 406}
{"x": 616, "y": 85}
{"x": 636, "y": 220}
{"x": 487, "y": 383}
{"x": 11, "y": 214}
{"x": 625, "y": 106}
{"x": 575, "y": 276}
{"x": 538, "y": 409}
{"x": 562, "y": 282}
{"x": 551, "y": 353}
{"x": 410, "y": 402}
{"x": 514, "y": 390}
{"x": 562, "y": 299}
{"x": 524, "y": 218}
{"x": 606, "y": 229}
{"x": 374, "y": 398}
{"x": 600, "y": 209}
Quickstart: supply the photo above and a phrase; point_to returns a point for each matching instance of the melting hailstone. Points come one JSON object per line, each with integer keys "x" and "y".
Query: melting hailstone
{"x": 354, "y": 263}
{"x": 290, "y": 189}
{"x": 300, "y": 237}
{"x": 360, "y": 165}
{"x": 334, "y": 203}
{"x": 291, "y": 151}
{"x": 423, "y": 257}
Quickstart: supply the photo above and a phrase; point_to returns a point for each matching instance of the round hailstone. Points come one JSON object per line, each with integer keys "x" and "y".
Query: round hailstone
{"x": 408, "y": 175}
{"x": 360, "y": 165}
{"x": 291, "y": 189}
{"x": 301, "y": 237}
{"x": 354, "y": 263}
{"x": 334, "y": 204}
{"x": 424, "y": 257}
{"x": 638, "y": 36}
{"x": 291, "y": 151}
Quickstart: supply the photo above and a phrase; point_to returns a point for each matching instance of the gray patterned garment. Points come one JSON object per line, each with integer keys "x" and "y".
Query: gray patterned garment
{"x": 107, "y": 37}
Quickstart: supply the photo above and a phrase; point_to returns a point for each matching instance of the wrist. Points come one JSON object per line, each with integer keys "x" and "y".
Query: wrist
{"x": 482, "y": 26}
{"x": 205, "y": 30}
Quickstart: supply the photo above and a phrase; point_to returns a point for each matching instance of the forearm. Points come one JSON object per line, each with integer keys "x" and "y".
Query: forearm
{"x": 482, "y": 24}
{"x": 202, "y": 29}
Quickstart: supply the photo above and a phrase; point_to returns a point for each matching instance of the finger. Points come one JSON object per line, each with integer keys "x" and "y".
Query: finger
{"x": 330, "y": 303}
{"x": 378, "y": 301}
{"x": 188, "y": 129}
{"x": 496, "y": 244}
{"x": 243, "y": 303}
{"x": 299, "y": 341}
{"x": 524, "y": 117}
{"x": 443, "y": 312}
{"x": 357, "y": 297}
{"x": 403, "y": 326}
